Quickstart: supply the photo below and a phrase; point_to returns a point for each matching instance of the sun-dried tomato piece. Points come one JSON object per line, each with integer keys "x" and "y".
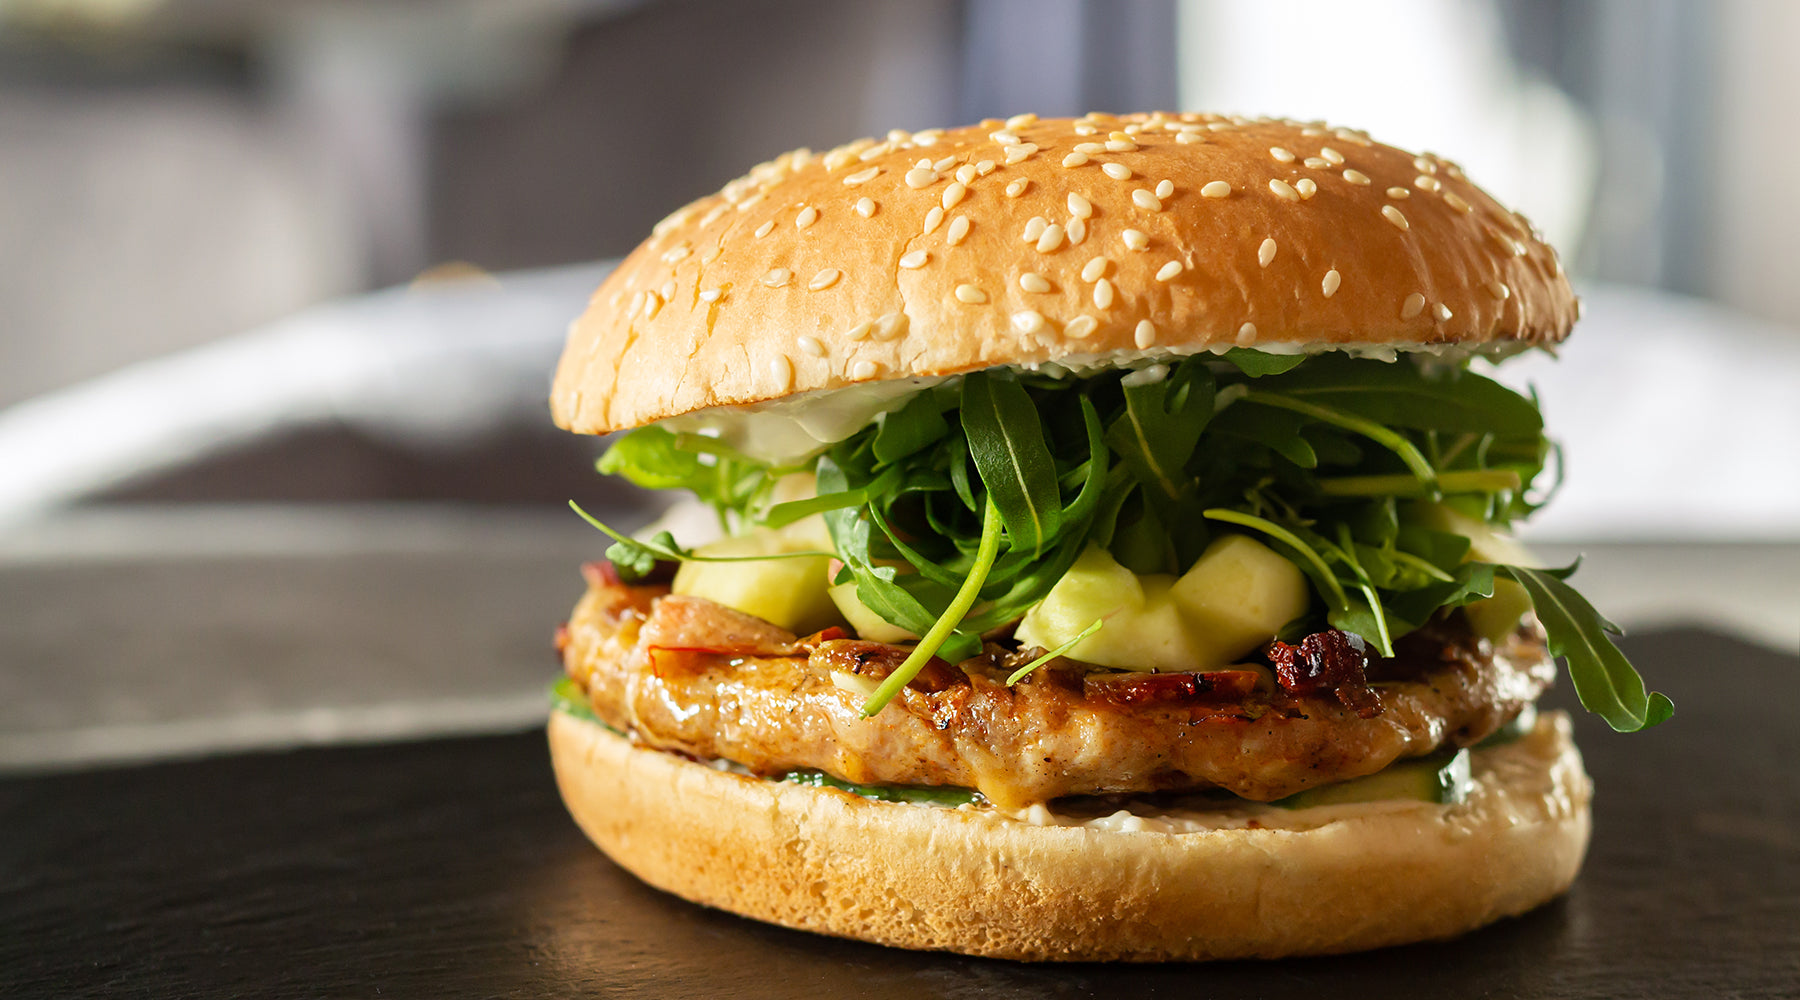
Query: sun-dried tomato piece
{"x": 1332, "y": 660}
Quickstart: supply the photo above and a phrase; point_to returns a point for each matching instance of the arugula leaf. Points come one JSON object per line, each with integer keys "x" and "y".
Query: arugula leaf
{"x": 1604, "y": 680}
{"x": 911, "y": 429}
{"x": 1025, "y": 671}
{"x": 1160, "y": 426}
{"x": 1404, "y": 395}
{"x": 1006, "y": 440}
{"x": 1256, "y": 363}
{"x": 650, "y": 459}
{"x": 933, "y": 639}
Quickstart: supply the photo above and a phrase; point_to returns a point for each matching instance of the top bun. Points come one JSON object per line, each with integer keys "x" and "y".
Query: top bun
{"x": 1098, "y": 239}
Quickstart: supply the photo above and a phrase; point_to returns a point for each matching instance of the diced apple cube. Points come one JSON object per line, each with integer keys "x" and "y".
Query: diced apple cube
{"x": 789, "y": 592}
{"x": 1239, "y": 594}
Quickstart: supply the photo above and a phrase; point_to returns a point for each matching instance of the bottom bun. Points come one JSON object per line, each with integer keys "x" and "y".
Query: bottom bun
{"x": 1148, "y": 886}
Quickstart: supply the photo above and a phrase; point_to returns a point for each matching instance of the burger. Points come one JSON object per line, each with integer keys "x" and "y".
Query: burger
{"x": 1113, "y": 556}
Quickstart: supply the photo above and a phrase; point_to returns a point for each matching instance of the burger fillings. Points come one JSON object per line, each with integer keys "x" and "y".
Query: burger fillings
{"x": 1106, "y": 493}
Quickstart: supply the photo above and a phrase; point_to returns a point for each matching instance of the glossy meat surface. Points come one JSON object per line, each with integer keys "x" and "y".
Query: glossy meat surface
{"x": 686, "y": 675}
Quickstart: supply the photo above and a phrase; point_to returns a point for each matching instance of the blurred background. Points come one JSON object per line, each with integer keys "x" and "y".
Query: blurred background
{"x": 281, "y": 284}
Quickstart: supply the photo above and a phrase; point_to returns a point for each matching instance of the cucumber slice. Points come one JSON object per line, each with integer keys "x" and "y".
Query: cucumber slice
{"x": 1442, "y": 777}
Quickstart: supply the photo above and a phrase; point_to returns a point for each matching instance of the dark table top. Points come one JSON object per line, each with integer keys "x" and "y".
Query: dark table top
{"x": 448, "y": 868}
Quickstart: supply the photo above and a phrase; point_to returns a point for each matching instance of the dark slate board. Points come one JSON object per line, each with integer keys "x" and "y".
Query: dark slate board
{"x": 449, "y": 869}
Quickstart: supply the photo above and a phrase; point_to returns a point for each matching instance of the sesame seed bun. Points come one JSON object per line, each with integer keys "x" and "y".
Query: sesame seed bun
{"x": 1034, "y": 241}
{"x": 974, "y": 881}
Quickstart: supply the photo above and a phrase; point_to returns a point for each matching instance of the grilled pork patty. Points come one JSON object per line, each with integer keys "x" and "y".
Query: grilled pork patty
{"x": 687, "y": 675}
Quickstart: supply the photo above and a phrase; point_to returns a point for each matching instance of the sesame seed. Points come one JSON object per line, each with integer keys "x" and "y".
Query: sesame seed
{"x": 1355, "y": 176}
{"x": 807, "y": 217}
{"x": 919, "y": 177}
{"x": 1028, "y": 321}
{"x": 859, "y": 331}
{"x": 864, "y": 370}
{"x": 1281, "y": 155}
{"x": 652, "y": 305}
{"x": 1215, "y": 189}
{"x": 677, "y": 253}
{"x": 1004, "y": 137}
{"x": 954, "y": 194}
{"x": 915, "y": 260}
{"x": 1135, "y": 239}
{"x": 1079, "y": 206}
{"x": 1085, "y": 130}
{"x": 1015, "y": 154}
{"x": 1121, "y": 145}
{"x": 1020, "y": 121}
{"x": 1017, "y": 187}
{"x": 1079, "y": 327}
{"x": 1398, "y": 192}
{"x": 1266, "y": 252}
{"x": 668, "y": 291}
{"x": 825, "y": 279}
{"x": 782, "y": 370}
{"x": 1117, "y": 171}
{"x": 879, "y": 149}
{"x": 777, "y": 277}
{"x": 1119, "y": 136}
{"x": 982, "y": 169}
{"x": 1423, "y": 165}
{"x": 1145, "y": 334}
{"x": 890, "y": 326}
{"x": 1165, "y": 188}
{"x": 1316, "y": 162}
{"x": 1034, "y": 227}
{"x": 1095, "y": 269}
{"x": 712, "y": 294}
{"x": 1393, "y": 215}
{"x": 866, "y": 207}
{"x": 899, "y": 135}
{"x": 1051, "y": 238}
{"x": 1090, "y": 148}
{"x": 1414, "y": 305}
{"x": 944, "y": 164}
{"x": 1076, "y": 230}
{"x": 862, "y": 176}
{"x": 1246, "y": 334}
{"x": 1146, "y": 201}
{"x": 812, "y": 346}
{"x": 1075, "y": 160}
{"x": 1426, "y": 182}
{"x": 966, "y": 174}
{"x": 1499, "y": 290}
{"x": 933, "y": 219}
{"x": 1103, "y": 294}
{"x": 1031, "y": 281}
{"x": 1455, "y": 201}
{"x": 1283, "y": 189}
{"x": 1168, "y": 271}
{"x": 1187, "y": 138}
{"x": 637, "y": 303}
{"x": 1331, "y": 156}
{"x": 765, "y": 229}
{"x": 1442, "y": 311}
{"x": 1306, "y": 188}
{"x": 959, "y": 228}
{"x": 970, "y": 294}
